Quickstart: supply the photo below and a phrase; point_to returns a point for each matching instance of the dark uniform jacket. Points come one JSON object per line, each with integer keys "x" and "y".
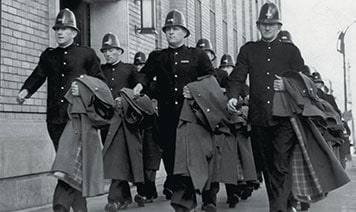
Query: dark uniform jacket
{"x": 120, "y": 75}
{"x": 60, "y": 66}
{"x": 173, "y": 68}
{"x": 262, "y": 61}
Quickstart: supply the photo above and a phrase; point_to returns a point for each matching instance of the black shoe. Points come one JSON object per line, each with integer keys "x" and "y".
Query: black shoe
{"x": 168, "y": 193}
{"x": 149, "y": 199}
{"x": 111, "y": 207}
{"x": 246, "y": 193}
{"x": 210, "y": 207}
{"x": 139, "y": 200}
{"x": 292, "y": 209}
{"x": 124, "y": 205}
{"x": 203, "y": 206}
{"x": 233, "y": 200}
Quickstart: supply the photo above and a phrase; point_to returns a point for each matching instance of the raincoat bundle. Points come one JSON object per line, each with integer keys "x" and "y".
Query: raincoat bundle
{"x": 315, "y": 169}
{"x": 206, "y": 150}
{"x": 123, "y": 159}
{"x": 79, "y": 160}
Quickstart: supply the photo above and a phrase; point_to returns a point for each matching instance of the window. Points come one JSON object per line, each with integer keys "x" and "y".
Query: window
{"x": 198, "y": 21}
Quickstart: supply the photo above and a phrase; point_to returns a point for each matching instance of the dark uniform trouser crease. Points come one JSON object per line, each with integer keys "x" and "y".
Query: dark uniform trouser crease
{"x": 276, "y": 144}
{"x": 64, "y": 196}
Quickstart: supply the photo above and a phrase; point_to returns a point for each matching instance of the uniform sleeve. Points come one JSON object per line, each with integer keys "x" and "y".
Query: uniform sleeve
{"x": 150, "y": 69}
{"x": 296, "y": 62}
{"x": 205, "y": 66}
{"x": 37, "y": 77}
{"x": 134, "y": 76}
{"x": 94, "y": 66}
{"x": 237, "y": 78}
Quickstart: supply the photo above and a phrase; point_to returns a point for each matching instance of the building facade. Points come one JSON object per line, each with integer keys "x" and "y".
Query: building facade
{"x": 26, "y": 153}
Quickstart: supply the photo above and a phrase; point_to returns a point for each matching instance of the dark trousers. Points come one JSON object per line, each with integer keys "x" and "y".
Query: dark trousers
{"x": 64, "y": 196}
{"x": 209, "y": 196}
{"x": 168, "y": 156}
{"x": 183, "y": 198}
{"x": 275, "y": 145}
{"x": 104, "y": 132}
{"x": 120, "y": 192}
{"x": 55, "y": 131}
{"x": 150, "y": 189}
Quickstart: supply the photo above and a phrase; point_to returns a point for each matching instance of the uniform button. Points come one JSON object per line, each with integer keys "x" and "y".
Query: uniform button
{"x": 176, "y": 102}
{"x": 176, "y": 89}
{"x": 217, "y": 126}
{"x": 268, "y": 59}
{"x": 113, "y": 78}
{"x": 62, "y": 88}
{"x": 62, "y": 100}
{"x": 269, "y": 47}
{"x": 111, "y": 89}
{"x": 199, "y": 94}
{"x": 76, "y": 132}
{"x": 65, "y": 52}
{"x": 62, "y": 75}
{"x": 113, "y": 69}
{"x": 175, "y": 76}
{"x": 82, "y": 76}
{"x": 208, "y": 110}
{"x": 268, "y": 102}
{"x": 175, "y": 63}
{"x": 267, "y": 73}
{"x": 64, "y": 63}
{"x": 175, "y": 53}
{"x": 268, "y": 87}
{"x": 96, "y": 89}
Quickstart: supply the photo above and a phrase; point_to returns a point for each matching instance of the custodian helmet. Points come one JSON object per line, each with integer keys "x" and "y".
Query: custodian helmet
{"x": 226, "y": 60}
{"x": 65, "y": 18}
{"x": 140, "y": 58}
{"x": 205, "y": 44}
{"x": 269, "y": 14}
{"x": 175, "y": 18}
{"x": 285, "y": 36}
{"x": 316, "y": 77}
{"x": 110, "y": 40}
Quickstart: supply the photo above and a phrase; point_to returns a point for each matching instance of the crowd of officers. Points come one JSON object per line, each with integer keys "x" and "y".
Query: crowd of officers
{"x": 164, "y": 77}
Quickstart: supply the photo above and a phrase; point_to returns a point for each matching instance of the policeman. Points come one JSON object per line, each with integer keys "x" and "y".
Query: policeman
{"x": 117, "y": 73}
{"x": 209, "y": 196}
{"x": 174, "y": 67}
{"x": 60, "y": 66}
{"x": 264, "y": 61}
{"x": 206, "y": 45}
{"x": 139, "y": 60}
{"x": 322, "y": 94}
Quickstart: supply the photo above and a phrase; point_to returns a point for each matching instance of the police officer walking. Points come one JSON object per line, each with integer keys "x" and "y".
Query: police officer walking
{"x": 264, "y": 61}
{"x": 60, "y": 66}
{"x": 118, "y": 75}
{"x": 174, "y": 67}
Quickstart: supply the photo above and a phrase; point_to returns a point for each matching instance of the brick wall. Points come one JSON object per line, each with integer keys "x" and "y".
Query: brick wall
{"x": 24, "y": 35}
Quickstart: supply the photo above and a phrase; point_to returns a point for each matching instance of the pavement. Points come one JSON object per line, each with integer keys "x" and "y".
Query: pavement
{"x": 340, "y": 200}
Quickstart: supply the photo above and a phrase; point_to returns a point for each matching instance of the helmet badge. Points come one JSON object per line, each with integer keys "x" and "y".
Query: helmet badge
{"x": 171, "y": 21}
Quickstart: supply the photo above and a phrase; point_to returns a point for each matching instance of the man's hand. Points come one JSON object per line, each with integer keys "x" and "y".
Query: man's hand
{"x": 21, "y": 97}
{"x": 118, "y": 102}
{"x": 74, "y": 89}
{"x": 278, "y": 84}
{"x": 231, "y": 105}
{"x": 186, "y": 93}
{"x": 137, "y": 89}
